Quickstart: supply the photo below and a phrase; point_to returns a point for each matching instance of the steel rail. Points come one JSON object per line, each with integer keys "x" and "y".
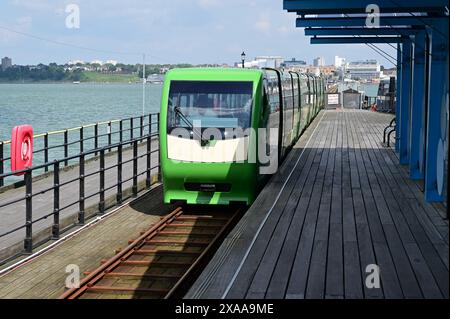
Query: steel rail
{"x": 185, "y": 268}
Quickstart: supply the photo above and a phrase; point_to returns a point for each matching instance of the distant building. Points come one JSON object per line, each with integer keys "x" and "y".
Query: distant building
{"x": 6, "y": 63}
{"x": 389, "y": 72}
{"x": 75, "y": 62}
{"x": 364, "y": 70}
{"x": 263, "y": 62}
{"x": 339, "y": 62}
{"x": 97, "y": 62}
{"x": 270, "y": 61}
{"x": 327, "y": 70}
{"x": 294, "y": 63}
{"x": 319, "y": 62}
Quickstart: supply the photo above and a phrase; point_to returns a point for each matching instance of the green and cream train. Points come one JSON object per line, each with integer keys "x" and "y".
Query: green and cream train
{"x": 224, "y": 131}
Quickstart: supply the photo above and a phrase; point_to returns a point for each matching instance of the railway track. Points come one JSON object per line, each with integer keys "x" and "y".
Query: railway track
{"x": 161, "y": 262}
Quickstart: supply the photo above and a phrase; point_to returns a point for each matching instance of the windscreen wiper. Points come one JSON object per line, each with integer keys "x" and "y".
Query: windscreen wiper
{"x": 178, "y": 111}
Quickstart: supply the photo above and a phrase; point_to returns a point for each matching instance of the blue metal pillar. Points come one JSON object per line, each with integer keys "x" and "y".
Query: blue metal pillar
{"x": 405, "y": 103}
{"x": 399, "y": 94}
{"x": 437, "y": 113}
{"x": 416, "y": 137}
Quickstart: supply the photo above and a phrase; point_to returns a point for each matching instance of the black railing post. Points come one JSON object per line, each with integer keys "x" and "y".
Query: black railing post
{"x": 2, "y": 165}
{"x": 28, "y": 244}
{"x": 131, "y": 128}
{"x": 81, "y": 190}
{"x": 55, "y": 227}
{"x": 149, "y": 124}
{"x": 101, "y": 204}
{"x": 46, "y": 151}
{"x": 96, "y": 137}
{"x": 119, "y": 174}
{"x": 159, "y": 149}
{"x": 66, "y": 147}
{"x": 82, "y": 139}
{"x": 148, "y": 180}
{"x": 142, "y": 125}
{"x": 121, "y": 131}
{"x": 109, "y": 135}
{"x": 135, "y": 168}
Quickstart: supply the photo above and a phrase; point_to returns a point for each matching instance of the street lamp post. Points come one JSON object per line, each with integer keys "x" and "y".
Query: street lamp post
{"x": 243, "y": 59}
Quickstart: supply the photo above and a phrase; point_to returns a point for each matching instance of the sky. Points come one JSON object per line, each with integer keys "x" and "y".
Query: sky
{"x": 167, "y": 31}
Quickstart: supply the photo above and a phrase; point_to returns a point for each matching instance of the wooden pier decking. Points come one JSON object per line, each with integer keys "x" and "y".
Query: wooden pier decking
{"x": 340, "y": 202}
{"x": 45, "y": 276}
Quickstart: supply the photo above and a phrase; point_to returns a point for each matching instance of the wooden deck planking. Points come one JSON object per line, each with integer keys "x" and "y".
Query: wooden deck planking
{"x": 425, "y": 234}
{"x": 44, "y": 277}
{"x": 348, "y": 204}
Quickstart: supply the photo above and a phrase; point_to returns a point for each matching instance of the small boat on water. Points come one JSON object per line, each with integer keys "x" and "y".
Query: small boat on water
{"x": 76, "y": 82}
{"x": 155, "y": 79}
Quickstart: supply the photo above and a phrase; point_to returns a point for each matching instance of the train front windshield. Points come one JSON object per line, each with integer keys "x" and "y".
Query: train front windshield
{"x": 216, "y": 104}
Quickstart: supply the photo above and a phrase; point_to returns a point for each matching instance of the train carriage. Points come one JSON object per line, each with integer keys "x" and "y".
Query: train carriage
{"x": 223, "y": 132}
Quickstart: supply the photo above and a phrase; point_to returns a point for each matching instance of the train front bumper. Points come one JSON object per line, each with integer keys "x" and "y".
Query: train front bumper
{"x": 209, "y": 183}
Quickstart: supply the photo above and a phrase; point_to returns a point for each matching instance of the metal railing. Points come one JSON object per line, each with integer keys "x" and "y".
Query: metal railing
{"x": 151, "y": 171}
{"x": 391, "y": 128}
{"x": 64, "y": 143}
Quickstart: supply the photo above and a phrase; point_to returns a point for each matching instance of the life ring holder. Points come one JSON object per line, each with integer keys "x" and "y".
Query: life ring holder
{"x": 21, "y": 148}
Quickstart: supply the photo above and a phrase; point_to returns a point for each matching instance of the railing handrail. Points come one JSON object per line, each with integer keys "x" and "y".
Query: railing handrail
{"x": 77, "y": 128}
{"x": 88, "y": 135}
{"x": 77, "y": 156}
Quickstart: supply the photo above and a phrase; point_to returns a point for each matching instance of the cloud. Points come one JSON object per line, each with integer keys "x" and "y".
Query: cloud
{"x": 34, "y": 4}
{"x": 208, "y": 3}
{"x": 263, "y": 24}
{"x": 21, "y": 24}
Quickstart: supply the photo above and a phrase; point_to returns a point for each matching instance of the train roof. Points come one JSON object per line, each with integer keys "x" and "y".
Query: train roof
{"x": 231, "y": 74}
{"x": 224, "y": 74}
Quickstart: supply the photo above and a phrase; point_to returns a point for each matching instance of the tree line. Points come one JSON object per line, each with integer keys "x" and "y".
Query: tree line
{"x": 55, "y": 73}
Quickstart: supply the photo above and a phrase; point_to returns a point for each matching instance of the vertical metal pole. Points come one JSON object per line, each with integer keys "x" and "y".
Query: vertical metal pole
{"x": 142, "y": 125}
{"x": 28, "y": 244}
{"x": 404, "y": 121}
{"x": 101, "y": 204}
{"x": 109, "y": 135}
{"x": 81, "y": 140}
{"x": 437, "y": 113}
{"x": 149, "y": 124}
{"x": 398, "y": 107}
{"x": 416, "y": 138}
{"x": 96, "y": 137}
{"x": 119, "y": 174}
{"x": 148, "y": 181}
{"x": 121, "y": 131}
{"x": 131, "y": 128}
{"x": 66, "y": 147}
{"x": 2, "y": 163}
{"x": 55, "y": 228}
{"x": 81, "y": 189}
{"x": 135, "y": 168}
{"x": 144, "y": 80}
{"x": 46, "y": 151}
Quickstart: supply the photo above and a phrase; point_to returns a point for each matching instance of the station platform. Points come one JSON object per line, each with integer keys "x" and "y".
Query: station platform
{"x": 44, "y": 277}
{"x": 340, "y": 203}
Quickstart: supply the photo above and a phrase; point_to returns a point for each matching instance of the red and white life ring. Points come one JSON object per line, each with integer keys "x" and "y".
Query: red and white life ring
{"x": 21, "y": 148}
